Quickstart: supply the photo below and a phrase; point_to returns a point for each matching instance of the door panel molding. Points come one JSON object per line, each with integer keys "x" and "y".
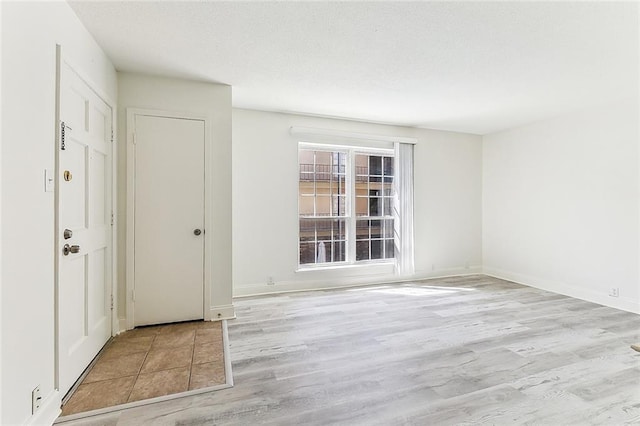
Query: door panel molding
{"x": 131, "y": 114}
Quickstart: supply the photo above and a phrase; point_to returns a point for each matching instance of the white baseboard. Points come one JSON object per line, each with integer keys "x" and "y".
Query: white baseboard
{"x": 48, "y": 412}
{"x": 123, "y": 326}
{"x": 310, "y": 285}
{"x": 622, "y": 303}
{"x": 221, "y": 312}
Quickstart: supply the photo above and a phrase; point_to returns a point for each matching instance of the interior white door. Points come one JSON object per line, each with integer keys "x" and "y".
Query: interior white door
{"x": 84, "y": 226}
{"x": 168, "y": 219}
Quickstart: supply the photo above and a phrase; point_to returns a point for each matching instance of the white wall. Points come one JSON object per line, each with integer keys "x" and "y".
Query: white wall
{"x": 448, "y": 177}
{"x": 560, "y": 204}
{"x": 30, "y": 32}
{"x": 214, "y": 100}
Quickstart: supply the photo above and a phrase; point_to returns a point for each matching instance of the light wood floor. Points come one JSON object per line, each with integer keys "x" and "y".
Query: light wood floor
{"x": 451, "y": 351}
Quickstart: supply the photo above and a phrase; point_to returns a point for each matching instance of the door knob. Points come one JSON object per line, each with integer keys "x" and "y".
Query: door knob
{"x": 70, "y": 249}
{"x": 197, "y": 232}
{"x": 67, "y": 234}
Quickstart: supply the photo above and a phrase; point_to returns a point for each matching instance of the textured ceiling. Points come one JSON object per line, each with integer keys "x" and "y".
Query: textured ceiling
{"x": 473, "y": 67}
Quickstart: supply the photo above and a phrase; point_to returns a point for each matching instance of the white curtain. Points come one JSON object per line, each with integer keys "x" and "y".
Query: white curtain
{"x": 403, "y": 209}
{"x": 321, "y": 257}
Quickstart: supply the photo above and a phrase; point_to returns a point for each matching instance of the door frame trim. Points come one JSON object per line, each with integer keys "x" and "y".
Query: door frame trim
{"x": 60, "y": 60}
{"x": 130, "y": 214}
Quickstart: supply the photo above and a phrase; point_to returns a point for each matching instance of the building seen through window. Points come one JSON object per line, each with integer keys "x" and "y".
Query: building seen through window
{"x": 345, "y": 206}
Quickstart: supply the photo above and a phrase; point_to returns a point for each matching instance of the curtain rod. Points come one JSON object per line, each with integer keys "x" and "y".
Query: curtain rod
{"x": 297, "y": 130}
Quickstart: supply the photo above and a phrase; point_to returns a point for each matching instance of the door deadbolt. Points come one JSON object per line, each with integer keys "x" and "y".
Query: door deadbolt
{"x": 197, "y": 232}
{"x": 70, "y": 249}
{"x": 67, "y": 175}
{"x": 68, "y": 233}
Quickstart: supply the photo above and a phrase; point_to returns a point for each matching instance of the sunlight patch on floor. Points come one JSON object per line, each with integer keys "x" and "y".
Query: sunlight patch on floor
{"x": 413, "y": 290}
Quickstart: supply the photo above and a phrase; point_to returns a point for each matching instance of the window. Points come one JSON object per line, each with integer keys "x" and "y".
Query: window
{"x": 345, "y": 205}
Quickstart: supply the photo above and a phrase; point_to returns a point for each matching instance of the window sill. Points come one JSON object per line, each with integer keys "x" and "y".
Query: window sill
{"x": 346, "y": 266}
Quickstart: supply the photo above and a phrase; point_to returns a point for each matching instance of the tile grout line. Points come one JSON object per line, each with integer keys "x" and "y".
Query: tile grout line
{"x": 193, "y": 354}
{"x": 146, "y": 355}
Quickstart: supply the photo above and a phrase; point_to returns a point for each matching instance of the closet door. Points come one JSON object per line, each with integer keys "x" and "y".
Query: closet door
{"x": 168, "y": 220}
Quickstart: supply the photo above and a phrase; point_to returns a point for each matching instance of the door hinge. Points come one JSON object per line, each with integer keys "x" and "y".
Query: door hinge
{"x": 112, "y": 302}
{"x": 112, "y": 135}
{"x": 133, "y": 138}
{"x": 112, "y": 219}
{"x": 133, "y": 295}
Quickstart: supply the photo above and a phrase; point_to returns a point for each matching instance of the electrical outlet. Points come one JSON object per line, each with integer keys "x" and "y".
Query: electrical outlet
{"x": 36, "y": 400}
{"x": 270, "y": 281}
{"x": 614, "y": 292}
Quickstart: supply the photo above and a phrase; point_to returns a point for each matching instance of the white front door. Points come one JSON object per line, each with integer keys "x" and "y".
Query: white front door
{"x": 84, "y": 226}
{"x": 168, "y": 219}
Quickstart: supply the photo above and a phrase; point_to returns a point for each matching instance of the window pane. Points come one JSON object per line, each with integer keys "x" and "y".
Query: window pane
{"x": 340, "y": 229}
{"x": 305, "y": 187}
{"x": 324, "y": 231}
{"x": 305, "y": 206}
{"x": 375, "y": 189}
{"x": 362, "y": 164}
{"x": 388, "y": 166}
{"x": 323, "y": 172}
{"x": 338, "y": 251}
{"x": 376, "y": 249}
{"x": 323, "y": 188}
{"x": 342, "y": 161}
{"x": 322, "y": 240}
{"x": 388, "y": 249}
{"x": 362, "y": 230}
{"x": 362, "y": 250}
{"x": 375, "y": 209}
{"x": 323, "y": 205}
{"x": 362, "y": 206}
{"x": 305, "y": 161}
{"x": 339, "y": 204}
{"x": 376, "y": 228}
{"x": 375, "y": 165}
{"x": 339, "y": 185}
{"x": 308, "y": 228}
{"x": 322, "y": 166}
{"x": 339, "y": 163}
{"x": 305, "y": 156}
{"x": 307, "y": 253}
{"x": 323, "y": 253}
{"x": 323, "y": 157}
{"x": 322, "y": 176}
{"x": 375, "y": 169}
{"x": 388, "y": 206}
{"x": 333, "y": 187}
{"x": 388, "y": 228}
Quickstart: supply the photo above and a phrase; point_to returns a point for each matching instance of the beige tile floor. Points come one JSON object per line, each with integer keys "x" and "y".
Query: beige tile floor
{"x": 150, "y": 362}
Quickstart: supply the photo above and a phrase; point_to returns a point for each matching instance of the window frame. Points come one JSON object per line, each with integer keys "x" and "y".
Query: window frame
{"x": 351, "y": 218}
